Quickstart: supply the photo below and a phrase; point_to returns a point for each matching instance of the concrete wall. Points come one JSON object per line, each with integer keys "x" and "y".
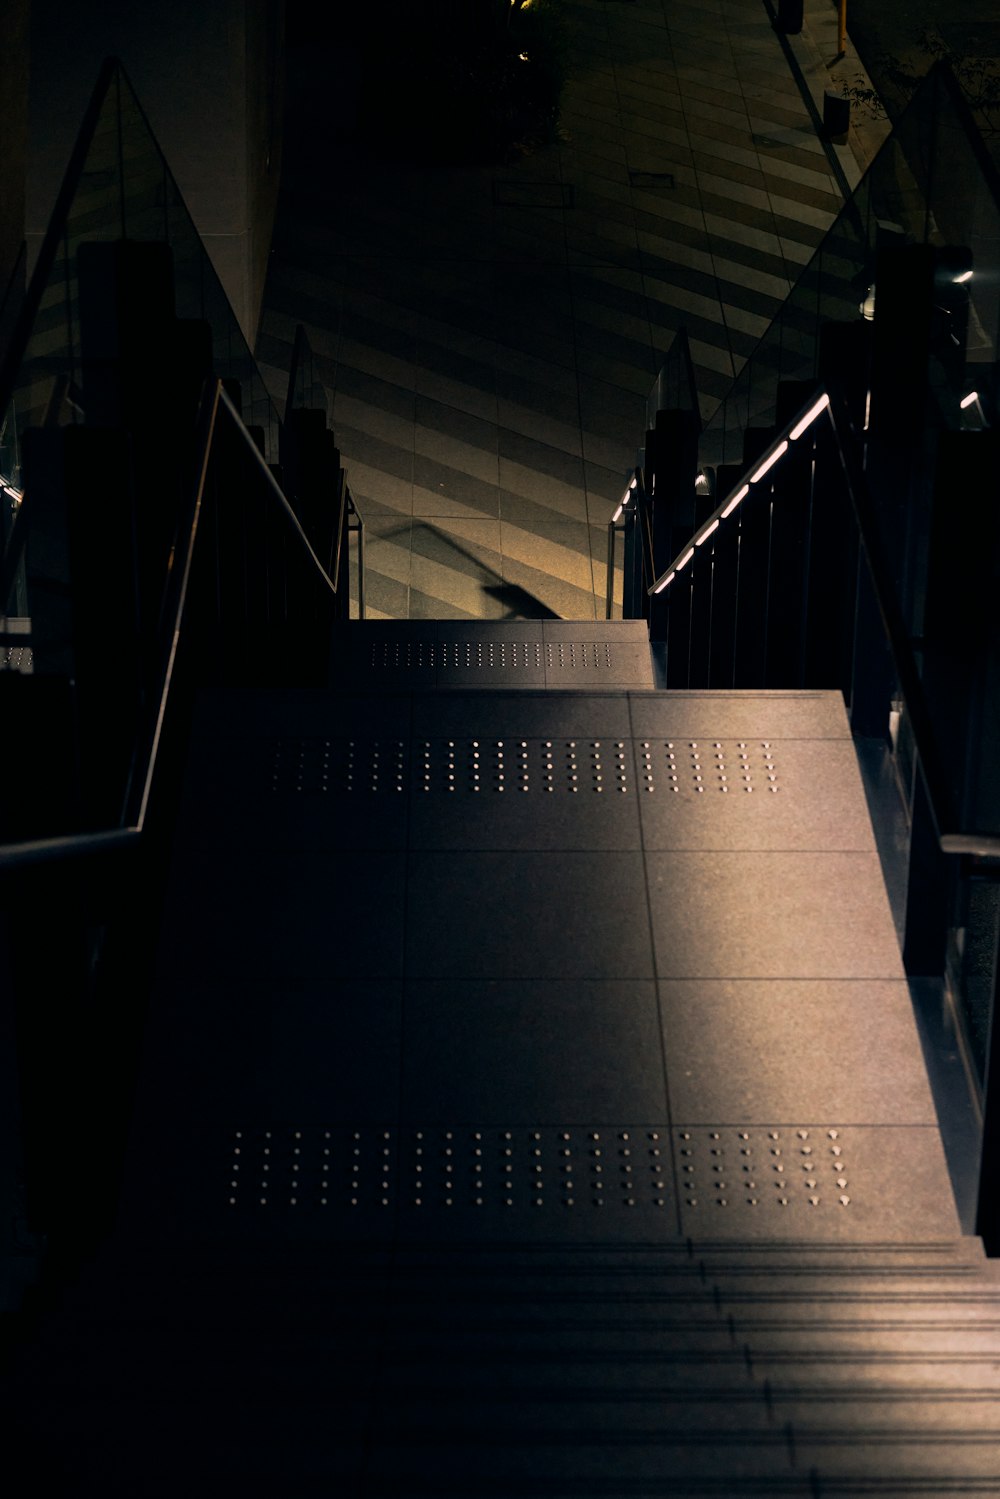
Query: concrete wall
{"x": 208, "y": 77}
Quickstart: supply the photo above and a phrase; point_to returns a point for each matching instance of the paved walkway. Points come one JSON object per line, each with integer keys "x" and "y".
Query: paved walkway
{"x": 489, "y": 337}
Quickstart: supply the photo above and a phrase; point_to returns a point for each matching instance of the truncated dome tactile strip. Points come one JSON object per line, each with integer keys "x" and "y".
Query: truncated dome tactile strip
{"x": 750, "y": 1168}
{"x": 283, "y": 1168}
{"x": 683, "y": 767}
{"x": 747, "y": 1182}
{"x": 467, "y": 655}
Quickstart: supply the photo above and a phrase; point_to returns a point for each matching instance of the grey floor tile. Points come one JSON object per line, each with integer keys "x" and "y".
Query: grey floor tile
{"x": 813, "y": 1182}
{"x": 520, "y": 716}
{"x": 557, "y": 547}
{"x": 280, "y": 916}
{"x": 500, "y": 792}
{"x": 305, "y": 793}
{"x": 333, "y": 1053}
{"x": 244, "y": 714}
{"x": 531, "y": 1053}
{"x": 757, "y": 1050}
{"x": 438, "y": 480}
{"x": 533, "y": 591}
{"x": 457, "y": 597}
{"x": 751, "y": 793}
{"x": 785, "y": 715}
{"x": 527, "y": 915}
{"x": 766, "y": 915}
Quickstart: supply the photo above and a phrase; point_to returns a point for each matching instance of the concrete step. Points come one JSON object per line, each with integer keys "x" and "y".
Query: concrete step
{"x": 551, "y": 654}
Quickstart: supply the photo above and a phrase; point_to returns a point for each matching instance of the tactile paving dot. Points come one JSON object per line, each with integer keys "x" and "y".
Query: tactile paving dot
{"x": 403, "y": 655}
{"x": 455, "y": 655}
{"x": 311, "y": 767}
{"x": 284, "y": 1168}
{"x": 489, "y": 655}
{"x": 734, "y": 1170}
{"x": 696, "y": 767}
{"x": 17, "y": 658}
{"x": 571, "y": 655}
{"x": 521, "y": 765}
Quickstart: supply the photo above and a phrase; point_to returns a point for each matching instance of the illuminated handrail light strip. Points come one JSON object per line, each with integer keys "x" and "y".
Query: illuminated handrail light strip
{"x": 809, "y": 417}
{"x": 768, "y": 463}
{"x": 740, "y": 494}
{"x": 633, "y": 484}
{"x": 816, "y": 409}
{"x": 968, "y": 400}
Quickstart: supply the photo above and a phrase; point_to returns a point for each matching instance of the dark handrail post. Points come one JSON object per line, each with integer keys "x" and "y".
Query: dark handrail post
{"x": 988, "y": 1198}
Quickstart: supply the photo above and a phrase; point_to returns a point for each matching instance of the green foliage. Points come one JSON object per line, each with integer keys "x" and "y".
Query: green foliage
{"x": 979, "y": 78}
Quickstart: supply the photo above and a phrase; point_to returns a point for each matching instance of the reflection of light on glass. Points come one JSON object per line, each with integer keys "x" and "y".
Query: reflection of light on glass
{"x": 866, "y": 306}
{"x": 962, "y": 276}
{"x": 809, "y": 417}
{"x": 701, "y": 484}
{"x": 683, "y": 561}
{"x": 868, "y": 407}
{"x": 969, "y": 399}
{"x": 14, "y": 495}
{"x": 663, "y": 582}
{"x": 700, "y": 540}
{"x": 768, "y": 463}
{"x": 740, "y": 494}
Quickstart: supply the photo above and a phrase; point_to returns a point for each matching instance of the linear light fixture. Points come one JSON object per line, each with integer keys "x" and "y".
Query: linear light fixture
{"x": 633, "y": 485}
{"x": 805, "y": 421}
{"x": 740, "y": 494}
{"x": 810, "y": 416}
{"x": 962, "y": 276}
{"x": 969, "y": 399}
{"x": 769, "y": 463}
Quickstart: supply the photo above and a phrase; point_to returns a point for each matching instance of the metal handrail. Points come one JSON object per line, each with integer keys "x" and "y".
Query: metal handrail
{"x": 276, "y": 490}
{"x": 79, "y": 845}
{"x": 627, "y": 513}
{"x": 791, "y": 432}
{"x": 831, "y": 405}
{"x": 300, "y": 345}
{"x": 53, "y": 236}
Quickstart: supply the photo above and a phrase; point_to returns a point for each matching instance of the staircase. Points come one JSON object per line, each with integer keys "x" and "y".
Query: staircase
{"x": 531, "y": 1105}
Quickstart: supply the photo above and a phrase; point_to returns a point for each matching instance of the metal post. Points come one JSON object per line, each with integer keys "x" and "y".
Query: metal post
{"x": 610, "y": 590}
{"x": 988, "y": 1200}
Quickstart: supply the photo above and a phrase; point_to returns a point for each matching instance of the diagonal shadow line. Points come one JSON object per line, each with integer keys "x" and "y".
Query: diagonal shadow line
{"x": 519, "y": 600}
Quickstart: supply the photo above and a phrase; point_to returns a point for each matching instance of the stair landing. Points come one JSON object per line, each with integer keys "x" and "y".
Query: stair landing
{"x": 493, "y": 965}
